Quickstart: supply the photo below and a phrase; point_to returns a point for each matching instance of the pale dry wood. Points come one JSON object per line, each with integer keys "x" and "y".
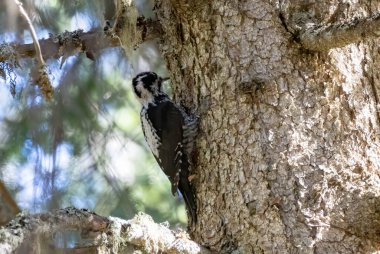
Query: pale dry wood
{"x": 32, "y": 31}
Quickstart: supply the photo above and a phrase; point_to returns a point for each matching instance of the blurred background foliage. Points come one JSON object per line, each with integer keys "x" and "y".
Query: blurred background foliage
{"x": 85, "y": 148}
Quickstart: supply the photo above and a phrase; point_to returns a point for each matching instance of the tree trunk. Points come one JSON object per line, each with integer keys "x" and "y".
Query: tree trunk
{"x": 288, "y": 150}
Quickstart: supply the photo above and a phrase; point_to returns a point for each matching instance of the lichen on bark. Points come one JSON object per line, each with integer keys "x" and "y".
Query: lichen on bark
{"x": 41, "y": 233}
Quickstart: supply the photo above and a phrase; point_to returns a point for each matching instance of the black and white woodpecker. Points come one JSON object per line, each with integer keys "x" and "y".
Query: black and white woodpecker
{"x": 170, "y": 133}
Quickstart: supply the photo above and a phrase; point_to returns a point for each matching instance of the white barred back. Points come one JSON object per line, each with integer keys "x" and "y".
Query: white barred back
{"x": 150, "y": 134}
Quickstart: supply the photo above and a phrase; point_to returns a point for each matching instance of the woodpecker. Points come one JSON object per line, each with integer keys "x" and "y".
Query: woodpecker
{"x": 170, "y": 133}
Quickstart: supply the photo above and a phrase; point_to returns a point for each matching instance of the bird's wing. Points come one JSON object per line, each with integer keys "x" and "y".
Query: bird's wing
{"x": 168, "y": 120}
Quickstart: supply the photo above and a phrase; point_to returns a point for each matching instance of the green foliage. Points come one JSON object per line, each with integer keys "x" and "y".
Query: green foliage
{"x": 85, "y": 148}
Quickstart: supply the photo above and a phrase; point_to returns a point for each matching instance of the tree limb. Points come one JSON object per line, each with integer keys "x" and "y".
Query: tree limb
{"x": 91, "y": 41}
{"x": 325, "y": 37}
{"x": 106, "y": 235}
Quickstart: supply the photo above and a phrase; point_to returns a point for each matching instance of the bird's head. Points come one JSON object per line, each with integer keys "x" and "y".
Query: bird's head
{"x": 147, "y": 86}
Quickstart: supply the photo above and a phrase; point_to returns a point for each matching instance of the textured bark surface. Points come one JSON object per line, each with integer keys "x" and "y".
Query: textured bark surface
{"x": 289, "y": 146}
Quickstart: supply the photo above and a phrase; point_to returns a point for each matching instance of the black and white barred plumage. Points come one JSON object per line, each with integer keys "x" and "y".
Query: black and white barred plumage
{"x": 170, "y": 133}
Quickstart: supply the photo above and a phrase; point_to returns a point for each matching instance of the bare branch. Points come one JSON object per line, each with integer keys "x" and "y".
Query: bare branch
{"x": 325, "y": 37}
{"x": 70, "y": 43}
{"x": 40, "y": 72}
{"x": 32, "y": 31}
{"x": 106, "y": 235}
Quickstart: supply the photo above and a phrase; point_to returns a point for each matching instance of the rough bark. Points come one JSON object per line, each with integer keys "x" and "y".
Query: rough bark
{"x": 288, "y": 156}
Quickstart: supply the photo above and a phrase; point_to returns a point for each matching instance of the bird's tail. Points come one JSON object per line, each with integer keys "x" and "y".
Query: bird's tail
{"x": 186, "y": 190}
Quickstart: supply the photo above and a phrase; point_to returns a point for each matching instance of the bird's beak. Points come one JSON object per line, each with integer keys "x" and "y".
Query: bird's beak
{"x": 165, "y": 79}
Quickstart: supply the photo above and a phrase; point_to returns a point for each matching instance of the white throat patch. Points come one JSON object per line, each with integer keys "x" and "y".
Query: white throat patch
{"x": 146, "y": 96}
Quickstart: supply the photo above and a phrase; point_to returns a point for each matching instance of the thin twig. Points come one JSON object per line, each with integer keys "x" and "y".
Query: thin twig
{"x": 32, "y": 31}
